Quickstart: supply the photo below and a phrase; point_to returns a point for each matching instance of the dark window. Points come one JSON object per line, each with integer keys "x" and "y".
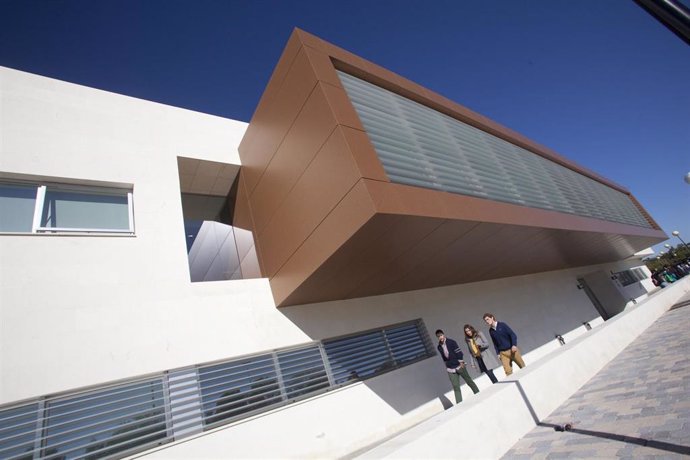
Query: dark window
{"x": 628, "y": 277}
{"x": 367, "y": 354}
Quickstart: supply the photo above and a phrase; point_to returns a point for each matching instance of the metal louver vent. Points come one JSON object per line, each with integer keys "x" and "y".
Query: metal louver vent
{"x": 91, "y": 425}
{"x": 124, "y": 418}
{"x": 421, "y": 147}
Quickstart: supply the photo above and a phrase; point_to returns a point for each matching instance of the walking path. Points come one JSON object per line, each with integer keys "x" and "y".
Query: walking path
{"x": 637, "y": 406}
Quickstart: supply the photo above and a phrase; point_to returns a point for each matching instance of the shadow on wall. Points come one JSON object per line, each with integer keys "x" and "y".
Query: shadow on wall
{"x": 635, "y": 290}
{"x": 606, "y": 292}
{"x": 410, "y": 387}
{"x": 521, "y": 303}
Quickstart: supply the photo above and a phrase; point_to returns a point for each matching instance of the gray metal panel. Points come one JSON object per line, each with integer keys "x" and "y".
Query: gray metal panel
{"x": 421, "y": 147}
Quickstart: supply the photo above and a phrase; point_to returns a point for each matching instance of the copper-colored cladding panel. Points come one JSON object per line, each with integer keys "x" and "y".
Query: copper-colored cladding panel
{"x": 329, "y": 225}
{"x": 244, "y": 229}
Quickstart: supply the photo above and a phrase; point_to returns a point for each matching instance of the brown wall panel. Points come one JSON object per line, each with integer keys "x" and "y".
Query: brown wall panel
{"x": 392, "y": 198}
{"x": 373, "y": 256}
{"x": 488, "y": 253}
{"x": 322, "y": 67}
{"x": 409, "y": 261}
{"x": 309, "y": 132}
{"x": 353, "y": 211}
{"x": 244, "y": 225}
{"x": 364, "y": 154}
{"x": 322, "y": 285}
{"x": 341, "y": 106}
{"x": 513, "y": 257}
{"x": 242, "y": 213}
{"x": 271, "y": 122}
{"x": 329, "y": 224}
{"x": 324, "y": 183}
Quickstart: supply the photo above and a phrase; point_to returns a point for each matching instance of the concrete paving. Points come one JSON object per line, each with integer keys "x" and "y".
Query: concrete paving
{"x": 638, "y": 406}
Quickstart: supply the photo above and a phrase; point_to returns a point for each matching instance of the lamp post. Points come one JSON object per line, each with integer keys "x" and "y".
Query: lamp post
{"x": 676, "y": 233}
{"x": 669, "y": 248}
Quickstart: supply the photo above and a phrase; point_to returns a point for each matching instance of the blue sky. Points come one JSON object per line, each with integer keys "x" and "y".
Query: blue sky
{"x": 599, "y": 81}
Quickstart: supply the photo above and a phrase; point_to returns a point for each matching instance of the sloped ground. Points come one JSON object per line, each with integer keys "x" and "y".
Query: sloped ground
{"x": 638, "y": 406}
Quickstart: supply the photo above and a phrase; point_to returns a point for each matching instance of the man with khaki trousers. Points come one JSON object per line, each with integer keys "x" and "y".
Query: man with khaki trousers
{"x": 505, "y": 343}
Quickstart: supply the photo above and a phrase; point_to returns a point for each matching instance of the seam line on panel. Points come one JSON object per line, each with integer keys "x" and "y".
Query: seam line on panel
{"x": 292, "y": 123}
{"x": 318, "y": 225}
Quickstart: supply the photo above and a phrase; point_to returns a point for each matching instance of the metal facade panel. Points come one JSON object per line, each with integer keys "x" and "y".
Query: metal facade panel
{"x": 331, "y": 223}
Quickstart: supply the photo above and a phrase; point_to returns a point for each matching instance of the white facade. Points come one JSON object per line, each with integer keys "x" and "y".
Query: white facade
{"x": 79, "y": 310}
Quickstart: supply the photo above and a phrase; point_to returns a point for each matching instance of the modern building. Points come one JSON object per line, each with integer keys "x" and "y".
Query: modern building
{"x": 175, "y": 284}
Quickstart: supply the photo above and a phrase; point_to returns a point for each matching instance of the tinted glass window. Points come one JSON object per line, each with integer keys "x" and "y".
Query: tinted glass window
{"x": 358, "y": 357}
{"x": 72, "y": 209}
{"x": 406, "y": 343}
{"x": 302, "y": 371}
{"x": 102, "y": 423}
{"x": 17, "y": 204}
{"x": 238, "y": 387}
{"x": 17, "y": 431}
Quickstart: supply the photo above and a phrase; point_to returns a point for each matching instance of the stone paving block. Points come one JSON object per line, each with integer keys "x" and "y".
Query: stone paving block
{"x": 523, "y": 457}
{"x": 641, "y": 397}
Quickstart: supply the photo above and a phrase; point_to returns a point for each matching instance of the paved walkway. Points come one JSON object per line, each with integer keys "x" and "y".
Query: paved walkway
{"x": 636, "y": 407}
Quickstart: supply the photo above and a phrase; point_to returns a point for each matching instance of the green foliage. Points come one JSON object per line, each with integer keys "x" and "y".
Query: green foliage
{"x": 669, "y": 258}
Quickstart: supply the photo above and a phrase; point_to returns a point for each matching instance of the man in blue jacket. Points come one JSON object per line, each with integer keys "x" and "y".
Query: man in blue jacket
{"x": 452, "y": 358}
{"x": 505, "y": 343}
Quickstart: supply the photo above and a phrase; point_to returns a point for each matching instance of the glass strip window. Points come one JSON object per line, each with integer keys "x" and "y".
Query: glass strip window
{"x": 302, "y": 371}
{"x": 18, "y": 431}
{"x": 239, "y": 387}
{"x": 106, "y": 422}
{"x": 114, "y": 421}
{"x": 421, "y": 147}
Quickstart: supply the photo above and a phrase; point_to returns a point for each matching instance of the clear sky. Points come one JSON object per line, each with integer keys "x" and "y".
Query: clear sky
{"x": 599, "y": 81}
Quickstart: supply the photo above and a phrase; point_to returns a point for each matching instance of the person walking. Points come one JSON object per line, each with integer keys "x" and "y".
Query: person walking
{"x": 505, "y": 343}
{"x": 455, "y": 366}
{"x": 476, "y": 344}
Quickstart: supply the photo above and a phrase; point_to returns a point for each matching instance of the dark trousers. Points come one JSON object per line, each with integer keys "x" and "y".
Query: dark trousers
{"x": 489, "y": 372}
{"x": 455, "y": 381}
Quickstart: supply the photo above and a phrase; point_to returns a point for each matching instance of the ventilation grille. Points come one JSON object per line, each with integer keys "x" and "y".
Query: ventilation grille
{"x": 421, "y": 147}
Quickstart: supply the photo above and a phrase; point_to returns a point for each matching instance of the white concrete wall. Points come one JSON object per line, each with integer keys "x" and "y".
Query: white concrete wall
{"x": 638, "y": 290}
{"x": 85, "y": 310}
{"x": 339, "y": 423}
{"x": 81, "y": 310}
